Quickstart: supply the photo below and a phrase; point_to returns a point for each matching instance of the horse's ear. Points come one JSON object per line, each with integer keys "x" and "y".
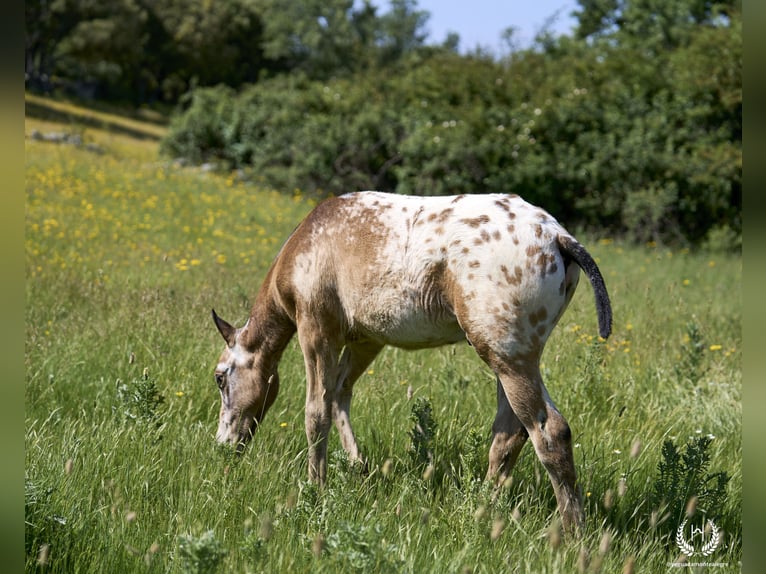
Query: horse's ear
{"x": 228, "y": 332}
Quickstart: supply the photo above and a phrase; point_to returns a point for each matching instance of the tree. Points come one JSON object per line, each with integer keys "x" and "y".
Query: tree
{"x": 159, "y": 49}
{"x": 315, "y": 36}
{"x": 106, "y": 45}
{"x": 650, "y": 22}
{"x": 326, "y": 37}
{"x": 46, "y": 23}
{"x": 209, "y": 42}
{"x": 403, "y": 29}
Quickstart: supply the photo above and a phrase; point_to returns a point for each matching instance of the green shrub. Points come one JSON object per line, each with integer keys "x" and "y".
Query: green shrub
{"x": 594, "y": 135}
{"x": 473, "y": 458}
{"x": 685, "y": 486}
{"x": 422, "y": 433}
{"x": 200, "y": 554}
{"x": 140, "y": 399}
{"x": 362, "y": 548}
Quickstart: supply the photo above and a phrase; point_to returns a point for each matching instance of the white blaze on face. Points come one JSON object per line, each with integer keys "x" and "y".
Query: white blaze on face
{"x": 234, "y": 372}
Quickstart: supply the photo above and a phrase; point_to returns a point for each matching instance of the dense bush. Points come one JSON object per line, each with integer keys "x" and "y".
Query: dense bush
{"x": 609, "y": 135}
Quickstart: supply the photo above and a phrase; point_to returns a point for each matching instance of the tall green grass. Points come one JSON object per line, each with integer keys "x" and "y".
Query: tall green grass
{"x": 125, "y": 256}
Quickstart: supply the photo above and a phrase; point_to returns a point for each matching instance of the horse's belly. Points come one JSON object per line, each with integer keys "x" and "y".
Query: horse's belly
{"x": 401, "y": 322}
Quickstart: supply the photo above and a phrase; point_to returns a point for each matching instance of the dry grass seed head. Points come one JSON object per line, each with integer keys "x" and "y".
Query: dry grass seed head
{"x": 497, "y": 529}
{"x": 622, "y": 487}
{"x": 582, "y": 560}
{"x": 555, "y": 534}
{"x": 317, "y": 546}
{"x": 43, "y": 555}
{"x": 605, "y": 544}
{"x": 691, "y": 506}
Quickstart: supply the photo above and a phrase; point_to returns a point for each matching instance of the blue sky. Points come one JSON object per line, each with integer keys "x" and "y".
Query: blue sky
{"x": 481, "y": 22}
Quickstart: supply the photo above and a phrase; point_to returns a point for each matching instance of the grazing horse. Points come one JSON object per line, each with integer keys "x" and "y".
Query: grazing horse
{"x": 370, "y": 269}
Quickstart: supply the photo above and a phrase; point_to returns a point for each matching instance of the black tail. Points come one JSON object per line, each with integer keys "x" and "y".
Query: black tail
{"x": 569, "y": 246}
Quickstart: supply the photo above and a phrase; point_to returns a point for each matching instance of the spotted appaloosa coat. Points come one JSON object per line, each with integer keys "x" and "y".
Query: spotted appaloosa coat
{"x": 370, "y": 269}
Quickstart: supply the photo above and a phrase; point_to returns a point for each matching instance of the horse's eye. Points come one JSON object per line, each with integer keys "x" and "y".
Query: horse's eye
{"x": 220, "y": 380}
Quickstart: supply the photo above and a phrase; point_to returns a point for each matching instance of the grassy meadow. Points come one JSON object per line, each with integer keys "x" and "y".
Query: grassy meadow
{"x": 125, "y": 256}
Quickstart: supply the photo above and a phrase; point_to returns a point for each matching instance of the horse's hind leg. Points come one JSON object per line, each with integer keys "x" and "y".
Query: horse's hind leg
{"x": 508, "y": 438}
{"x": 550, "y": 435}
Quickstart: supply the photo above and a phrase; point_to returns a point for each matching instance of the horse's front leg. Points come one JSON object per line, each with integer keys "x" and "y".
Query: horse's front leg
{"x": 320, "y": 354}
{"x": 355, "y": 359}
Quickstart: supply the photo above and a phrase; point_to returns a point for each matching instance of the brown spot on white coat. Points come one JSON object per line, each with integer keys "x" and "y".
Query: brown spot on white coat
{"x": 475, "y": 221}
